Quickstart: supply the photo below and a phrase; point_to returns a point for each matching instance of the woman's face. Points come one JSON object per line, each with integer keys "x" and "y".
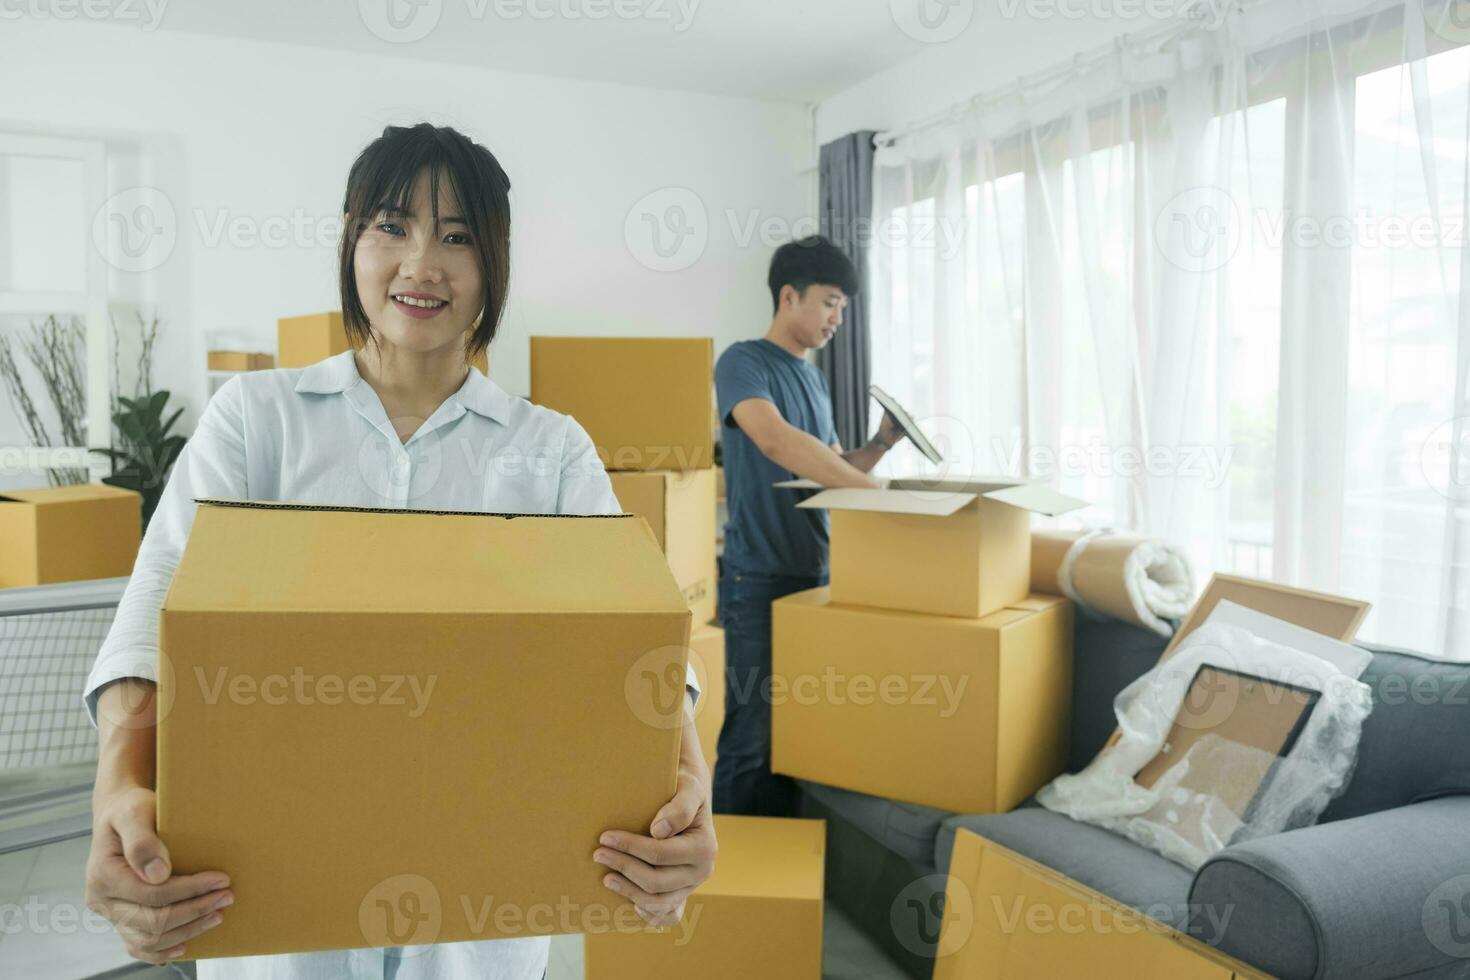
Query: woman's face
{"x": 420, "y": 285}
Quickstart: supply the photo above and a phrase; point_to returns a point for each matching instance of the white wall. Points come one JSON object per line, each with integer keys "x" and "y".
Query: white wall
{"x": 253, "y": 131}
{"x": 1004, "y": 39}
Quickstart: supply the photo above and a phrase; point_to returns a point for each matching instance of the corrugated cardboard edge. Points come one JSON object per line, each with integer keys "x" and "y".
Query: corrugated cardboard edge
{"x": 286, "y": 505}
{"x": 1243, "y": 971}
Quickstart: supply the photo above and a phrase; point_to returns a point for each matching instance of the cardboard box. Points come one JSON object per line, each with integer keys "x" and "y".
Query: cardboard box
{"x": 369, "y": 711}
{"x": 65, "y": 534}
{"x": 235, "y": 360}
{"x": 957, "y": 547}
{"x": 759, "y": 914}
{"x": 707, "y": 653}
{"x": 969, "y": 715}
{"x": 645, "y": 401}
{"x": 680, "y": 510}
{"x": 301, "y": 341}
{"x": 1007, "y": 917}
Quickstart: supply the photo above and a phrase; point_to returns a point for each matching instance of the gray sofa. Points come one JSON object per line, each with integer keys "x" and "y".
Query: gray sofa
{"x": 1380, "y": 887}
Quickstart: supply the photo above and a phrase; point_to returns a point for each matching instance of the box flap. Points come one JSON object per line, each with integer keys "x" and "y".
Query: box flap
{"x": 928, "y": 503}
{"x": 1037, "y": 498}
{"x": 264, "y": 557}
{"x": 801, "y": 484}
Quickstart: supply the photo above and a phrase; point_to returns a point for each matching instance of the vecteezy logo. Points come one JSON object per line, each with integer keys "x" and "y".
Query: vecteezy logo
{"x": 1199, "y": 230}
{"x": 403, "y": 910}
{"x": 135, "y": 230}
{"x": 1444, "y": 459}
{"x": 400, "y": 21}
{"x": 667, "y": 230}
{"x": 1446, "y": 917}
{"x": 654, "y": 687}
{"x": 1449, "y": 19}
{"x": 932, "y": 21}
{"x": 932, "y": 916}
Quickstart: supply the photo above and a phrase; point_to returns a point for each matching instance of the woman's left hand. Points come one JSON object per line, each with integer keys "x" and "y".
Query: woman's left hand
{"x": 658, "y": 872}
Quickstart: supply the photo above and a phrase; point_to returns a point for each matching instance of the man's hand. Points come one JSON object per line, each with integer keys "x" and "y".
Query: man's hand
{"x": 889, "y": 431}
{"x": 658, "y": 872}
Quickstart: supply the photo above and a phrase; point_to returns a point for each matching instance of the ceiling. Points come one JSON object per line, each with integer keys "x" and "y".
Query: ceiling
{"x": 792, "y": 50}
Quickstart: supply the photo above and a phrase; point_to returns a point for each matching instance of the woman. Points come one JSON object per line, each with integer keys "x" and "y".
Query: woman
{"x": 402, "y": 422}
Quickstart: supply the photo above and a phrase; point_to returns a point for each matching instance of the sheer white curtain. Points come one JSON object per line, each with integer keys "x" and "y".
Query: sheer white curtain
{"x": 1211, "y": 284}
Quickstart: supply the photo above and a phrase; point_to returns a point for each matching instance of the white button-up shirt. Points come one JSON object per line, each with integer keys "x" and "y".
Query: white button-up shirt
{"x": 320, "y": 435}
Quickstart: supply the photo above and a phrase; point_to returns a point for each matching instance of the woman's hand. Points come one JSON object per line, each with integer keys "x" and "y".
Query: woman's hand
{"x": 130, "y": 879}
{"x": 657, "y": 873}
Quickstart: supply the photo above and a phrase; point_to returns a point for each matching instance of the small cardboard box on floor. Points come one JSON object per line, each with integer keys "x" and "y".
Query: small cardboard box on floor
{"x": 969, "y": 715}
{"x": 680, "y": 510}
{"x": 303, "y": 340}
{"x": 758, "y": 916}
{"x": 955, "y": 547}
{"x": 645, "y": 401}
{"x": 364, "y": 711}
{"x": 1009, "y": 918}
{"x": 67, "y": 534}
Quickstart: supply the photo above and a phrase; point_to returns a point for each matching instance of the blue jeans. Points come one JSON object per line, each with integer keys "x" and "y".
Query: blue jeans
{"x": 743, "y": 781}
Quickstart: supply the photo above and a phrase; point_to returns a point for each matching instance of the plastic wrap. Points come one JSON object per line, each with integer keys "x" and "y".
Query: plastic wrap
{"x": 1220, "y": 791}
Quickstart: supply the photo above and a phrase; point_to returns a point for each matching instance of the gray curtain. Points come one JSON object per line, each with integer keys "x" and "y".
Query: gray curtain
{"x": 844, "y": 215}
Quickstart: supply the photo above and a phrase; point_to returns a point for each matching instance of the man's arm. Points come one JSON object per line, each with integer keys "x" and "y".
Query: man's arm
{"x": 867, "y": 457}
{"x": 792, "y": 449}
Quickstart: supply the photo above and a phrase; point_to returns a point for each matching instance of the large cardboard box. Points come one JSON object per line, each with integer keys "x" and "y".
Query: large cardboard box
{"x": 645, "y": 401}
{"x": 957, "y": 547}
{"x": 64, "y": 534}
{"x": 759, "y": 914}
{"x": 402, "y": 727}
{"x": 969, "y": 715}
{"x": 301, "y": 341}
{"x": 1009, "y": 918}
{"x": 707, "y": 653}
{"x": 680, "y": 510}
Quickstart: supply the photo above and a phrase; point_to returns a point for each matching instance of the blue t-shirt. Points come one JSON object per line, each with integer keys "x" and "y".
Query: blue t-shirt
{"x": 766, "y": 532}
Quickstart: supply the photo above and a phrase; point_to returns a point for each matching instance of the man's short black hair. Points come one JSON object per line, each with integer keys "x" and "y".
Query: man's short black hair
{"x": 810, "y": 261}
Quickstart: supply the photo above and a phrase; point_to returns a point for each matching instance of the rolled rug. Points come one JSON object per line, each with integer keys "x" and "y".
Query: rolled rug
{"x": 1138, "y": 580}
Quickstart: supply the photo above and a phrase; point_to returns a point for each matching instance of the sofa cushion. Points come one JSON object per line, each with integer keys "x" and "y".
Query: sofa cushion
{"x": 1416, "y": 703}
{"x": 906, "y": 829}
{"x": 1101, "y": 860}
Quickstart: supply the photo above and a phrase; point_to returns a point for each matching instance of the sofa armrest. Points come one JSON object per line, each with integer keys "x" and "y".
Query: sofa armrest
{"x": 1382, "y": 895}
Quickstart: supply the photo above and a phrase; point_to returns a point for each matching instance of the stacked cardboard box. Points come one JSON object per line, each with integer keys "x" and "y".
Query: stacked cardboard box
{"x": 645, "y": 402}
{"x": 303, "y": 340}
{"x": 925, "y": 672}
{"x": 759, "y": 914}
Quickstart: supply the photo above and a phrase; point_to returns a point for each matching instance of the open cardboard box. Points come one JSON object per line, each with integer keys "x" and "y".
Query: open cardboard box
{"x": 1007, "y": 917}
{"x": 372, "y": 712}
{"x": 951, "y": 547}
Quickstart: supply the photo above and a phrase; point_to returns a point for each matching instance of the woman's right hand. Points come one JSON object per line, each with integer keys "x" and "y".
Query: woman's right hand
{"x": 130, "y": 879}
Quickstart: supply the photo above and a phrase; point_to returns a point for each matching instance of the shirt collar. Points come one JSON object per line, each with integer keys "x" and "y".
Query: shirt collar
{"x": 338, "y": 374}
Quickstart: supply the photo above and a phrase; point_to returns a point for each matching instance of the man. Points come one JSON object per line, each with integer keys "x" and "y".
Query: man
{"x": 776, "y": 413}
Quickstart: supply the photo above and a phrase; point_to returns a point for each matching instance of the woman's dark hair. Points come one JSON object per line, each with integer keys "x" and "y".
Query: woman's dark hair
{"x": 807, "y": 262}
{"x": 383, "y": 176}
